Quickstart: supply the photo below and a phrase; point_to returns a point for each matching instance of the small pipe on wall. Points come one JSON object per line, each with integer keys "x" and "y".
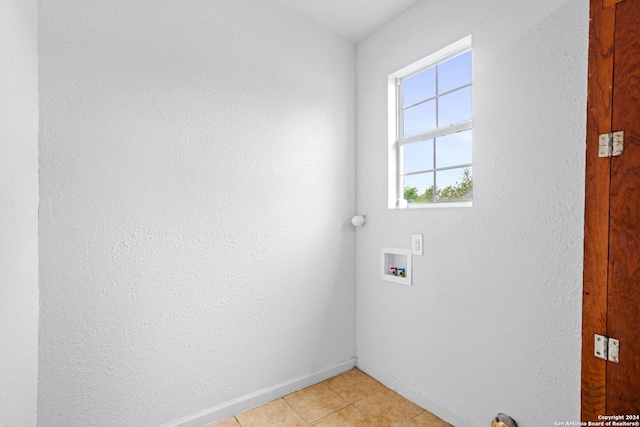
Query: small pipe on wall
{"x": 359, "y": 220}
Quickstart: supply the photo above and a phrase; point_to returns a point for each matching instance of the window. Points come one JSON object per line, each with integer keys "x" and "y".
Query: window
{"x": 430, "y": 130}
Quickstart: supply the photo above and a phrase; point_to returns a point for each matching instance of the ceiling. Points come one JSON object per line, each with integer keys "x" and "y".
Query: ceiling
{"x": 354, "y": 20}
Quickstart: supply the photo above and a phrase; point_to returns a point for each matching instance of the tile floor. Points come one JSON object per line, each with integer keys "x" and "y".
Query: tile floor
{"x": 350, "y": 399}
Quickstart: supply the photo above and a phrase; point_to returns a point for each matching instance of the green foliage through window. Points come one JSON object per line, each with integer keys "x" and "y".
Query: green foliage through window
{"x": 461, "y": 190}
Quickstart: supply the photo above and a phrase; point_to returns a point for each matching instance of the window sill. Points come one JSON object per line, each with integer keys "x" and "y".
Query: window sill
{"x": 440, "y": 205}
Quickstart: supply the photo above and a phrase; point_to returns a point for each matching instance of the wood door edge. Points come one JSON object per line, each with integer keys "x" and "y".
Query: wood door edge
{"x": 596, "y": 238}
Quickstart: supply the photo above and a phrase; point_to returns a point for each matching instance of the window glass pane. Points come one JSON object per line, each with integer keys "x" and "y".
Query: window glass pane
{"x": 454, "y": 185}
{"x": 417, "y": 156}
{"x": 435, "y": 101}
{"x": 454, "y": 73}
{"x": 454, "y": 107}
{"x": 419, "y": 87}
{"x": 453, "y": 149}
{"x": 418, "y": 188}
{"x": 419, "y": 118}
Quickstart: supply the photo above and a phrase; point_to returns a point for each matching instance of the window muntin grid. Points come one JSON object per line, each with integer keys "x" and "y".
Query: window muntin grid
{"x": 434, "y": 131}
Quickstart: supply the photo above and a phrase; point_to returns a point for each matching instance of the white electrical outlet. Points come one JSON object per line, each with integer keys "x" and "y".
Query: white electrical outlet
{"x": 416, "y": 244}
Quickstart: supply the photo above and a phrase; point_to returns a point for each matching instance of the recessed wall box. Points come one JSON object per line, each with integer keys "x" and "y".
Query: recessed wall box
{"x": 396, "y": 265}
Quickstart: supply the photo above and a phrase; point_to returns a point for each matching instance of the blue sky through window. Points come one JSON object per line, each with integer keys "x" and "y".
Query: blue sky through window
{"x": 454, "y": 73}
{"x": 420, "y": 87}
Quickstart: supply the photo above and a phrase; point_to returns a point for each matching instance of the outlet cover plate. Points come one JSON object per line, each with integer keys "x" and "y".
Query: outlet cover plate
{"x": 416, "y": 244}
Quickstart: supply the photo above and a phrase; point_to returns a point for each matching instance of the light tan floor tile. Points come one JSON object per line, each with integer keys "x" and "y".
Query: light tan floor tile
{"x": 388, "y": 408}
{"x": 351, "y": 399}
{"x": 273, "y": 414}
{"x": 315, "y": 402}
{"x": 427, "y": 419}
{"x": 346, "y": 417}
{"x": 229, "y": 422}
{"x": 354, "y": 385}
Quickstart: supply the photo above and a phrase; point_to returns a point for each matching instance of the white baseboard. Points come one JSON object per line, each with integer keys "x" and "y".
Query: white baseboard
{"x": 413, "y": 395}
{"x": 260, "y": 397}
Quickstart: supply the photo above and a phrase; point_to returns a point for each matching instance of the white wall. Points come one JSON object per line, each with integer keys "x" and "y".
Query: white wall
{"x": 18, "y": 212}
{"x": 492, "y": 321}
{"x": 197, "y": 163}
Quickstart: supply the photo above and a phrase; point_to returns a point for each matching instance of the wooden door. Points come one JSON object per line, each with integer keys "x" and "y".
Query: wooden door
{"x": 611, "y": 295}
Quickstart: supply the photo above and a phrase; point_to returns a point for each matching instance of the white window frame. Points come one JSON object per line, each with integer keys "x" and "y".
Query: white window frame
{"x": 395, "y": 192}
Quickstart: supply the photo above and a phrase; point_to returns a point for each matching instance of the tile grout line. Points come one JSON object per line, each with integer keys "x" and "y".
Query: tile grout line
{"x": 352, "y": 404}
{"x": 331, "y": 413}
{"x": 325, "y": 382}
{"x": 294, "y": 409}
{"x": 366, "y": 415}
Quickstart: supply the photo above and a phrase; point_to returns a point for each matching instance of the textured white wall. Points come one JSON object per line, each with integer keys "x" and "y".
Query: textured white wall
{"x": 492, "y": 321}
{"x": 197, "y": 163}
{"x": 18, "y": 212}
